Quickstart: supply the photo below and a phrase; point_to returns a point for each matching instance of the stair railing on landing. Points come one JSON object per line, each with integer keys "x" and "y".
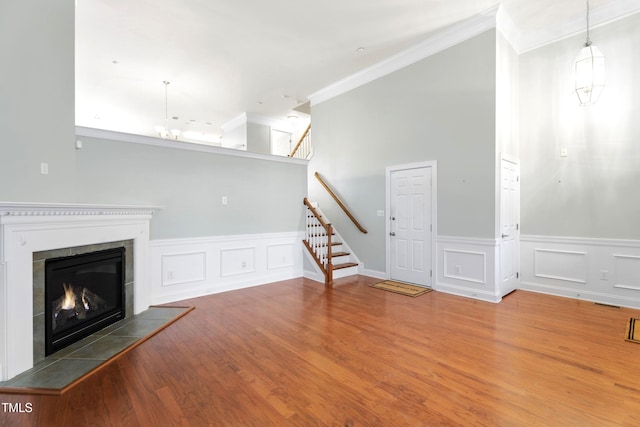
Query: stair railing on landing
{"x": 339, "y": 202}
{"x": 303, "y": 148}
{"x": 318, "y": 241}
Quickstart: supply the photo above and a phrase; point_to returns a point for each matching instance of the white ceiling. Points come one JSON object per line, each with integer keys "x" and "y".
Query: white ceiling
{"x": 224, "y": 58}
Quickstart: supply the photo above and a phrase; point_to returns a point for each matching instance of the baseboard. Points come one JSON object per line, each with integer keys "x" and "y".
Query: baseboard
{"x": 313, "y": 275}
{"x": 373, "y": 273}
{"x": 189, "y": 268}
{"x": 595, "y": 297}
{"x": 482, "y": 295}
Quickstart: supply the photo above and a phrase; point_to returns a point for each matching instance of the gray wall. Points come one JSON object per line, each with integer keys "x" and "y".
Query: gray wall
{"x": 37, "y": 100}
{"x": 258, "y": 138}
{"x": 263, "y": 196}
{"x": 441, "y": 108}
{"x": 37, "y": 125}
{"x": 593, "y": 192}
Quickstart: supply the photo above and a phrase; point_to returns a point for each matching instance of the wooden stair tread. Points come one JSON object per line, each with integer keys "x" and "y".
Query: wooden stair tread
{"x": 332, "y": 243}
{"x": 345, "y": 265}
{"x": 340, "y": 254}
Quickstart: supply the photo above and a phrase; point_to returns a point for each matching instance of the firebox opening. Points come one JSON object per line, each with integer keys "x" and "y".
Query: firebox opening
{"x": 83, "y": 294}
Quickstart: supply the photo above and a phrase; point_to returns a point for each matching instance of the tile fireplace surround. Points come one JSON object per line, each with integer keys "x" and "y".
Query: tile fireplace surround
{"x": 26, "y": 228}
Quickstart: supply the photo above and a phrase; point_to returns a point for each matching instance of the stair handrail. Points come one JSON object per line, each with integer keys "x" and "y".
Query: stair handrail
{"x": 302, "y": 137}
{"x": 339, "y": 202}
{"x": 316, "y": 242}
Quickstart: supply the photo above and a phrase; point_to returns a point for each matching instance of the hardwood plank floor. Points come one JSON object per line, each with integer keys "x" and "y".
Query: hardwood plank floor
{"x": 295, "y": 353}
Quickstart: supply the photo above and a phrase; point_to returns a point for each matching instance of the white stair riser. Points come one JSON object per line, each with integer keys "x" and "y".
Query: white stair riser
{"x": 341, "y": 259}
{"x": 344, "y": 259}
{"x": 345, "y": 272}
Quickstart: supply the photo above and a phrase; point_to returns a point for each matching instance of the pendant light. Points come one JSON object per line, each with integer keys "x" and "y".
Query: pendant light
{"x": 589, "y": 71}
{"x": 163, "y": 131}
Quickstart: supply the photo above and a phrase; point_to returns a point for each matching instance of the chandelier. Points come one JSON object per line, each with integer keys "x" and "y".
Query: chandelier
{"x": 589, "y": 71}
{"x": 164, "y": 131}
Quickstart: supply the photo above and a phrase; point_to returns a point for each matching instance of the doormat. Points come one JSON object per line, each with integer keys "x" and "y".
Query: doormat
{"x": 633, "y": 333}
{"x": 401, "y": 288}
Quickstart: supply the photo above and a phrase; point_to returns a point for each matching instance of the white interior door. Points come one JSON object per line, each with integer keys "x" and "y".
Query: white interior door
{"x": 410, "y": 236}
{"x": 509, "y": 225}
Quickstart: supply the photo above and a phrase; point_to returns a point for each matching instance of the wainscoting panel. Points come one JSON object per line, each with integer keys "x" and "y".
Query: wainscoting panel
{"x": 189, "y": 268}
{"x": 468, "y": 267}
{"x": 599, "y": 270}
{"x": 281, "y": 256}
{"x": 627, "y": 272}
{"x": 475, "y": 264}
{"x": 183, "y": 268}
{"x": 561, "y": 265}
{"x": 237, "y": 261}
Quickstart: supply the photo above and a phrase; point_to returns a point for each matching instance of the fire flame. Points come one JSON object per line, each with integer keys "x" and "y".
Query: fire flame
{"x": 85, "y": 299}
{"x": 69, "y": 300}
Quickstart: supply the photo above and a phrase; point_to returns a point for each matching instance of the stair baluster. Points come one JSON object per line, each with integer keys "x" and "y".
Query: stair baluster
{"x": 302, "y": 149}
{"x": 318, "y": 241}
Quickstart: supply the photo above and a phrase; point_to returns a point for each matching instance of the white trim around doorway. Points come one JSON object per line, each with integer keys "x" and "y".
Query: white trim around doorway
{"x": 433, "y": 164}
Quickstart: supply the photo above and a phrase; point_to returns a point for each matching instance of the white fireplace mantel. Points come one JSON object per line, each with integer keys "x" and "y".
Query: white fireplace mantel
{"x": 26, "y": 228}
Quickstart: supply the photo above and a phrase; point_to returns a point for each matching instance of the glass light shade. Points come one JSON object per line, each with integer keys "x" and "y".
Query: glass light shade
{"x": 589, "y": 74}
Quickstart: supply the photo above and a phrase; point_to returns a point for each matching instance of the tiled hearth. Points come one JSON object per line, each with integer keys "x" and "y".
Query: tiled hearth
{"x": 61, "y": 369}
{"x": 30, "y": 228}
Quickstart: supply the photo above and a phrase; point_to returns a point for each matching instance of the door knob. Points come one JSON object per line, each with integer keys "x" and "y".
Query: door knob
{"x": 392, "y": 234}
{"x": 504, "y": 235}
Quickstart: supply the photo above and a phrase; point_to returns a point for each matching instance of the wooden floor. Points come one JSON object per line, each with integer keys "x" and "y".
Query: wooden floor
{"x": 296, "y": 354}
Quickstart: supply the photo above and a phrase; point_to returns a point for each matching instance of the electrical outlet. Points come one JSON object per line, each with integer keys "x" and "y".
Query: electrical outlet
{"x": 170, "y": 275}
{"x": 44, "y": 168}
{"x": 224, "y": 200}
{"x": 604, "y": 275}
{"x": 244, "y": 264}
{"x": 458, "y": 270}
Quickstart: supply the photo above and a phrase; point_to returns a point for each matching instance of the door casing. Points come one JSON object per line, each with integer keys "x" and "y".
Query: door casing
{"x": 434, "y": 209}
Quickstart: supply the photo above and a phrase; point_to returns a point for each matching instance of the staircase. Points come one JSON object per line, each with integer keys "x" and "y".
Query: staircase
{"x": 303, "y": 149}
{"x": 330, "y": 254}
{"x": 342, "y": 263}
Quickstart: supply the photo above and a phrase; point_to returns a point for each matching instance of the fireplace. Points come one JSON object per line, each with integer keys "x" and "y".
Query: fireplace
{"x": 27, "y": 232}
{"x": 83, "y": 293}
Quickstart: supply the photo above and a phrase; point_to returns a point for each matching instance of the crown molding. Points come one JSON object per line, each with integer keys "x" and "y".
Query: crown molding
{"x": 610, "y": 12}
{"x": 494, "y": 17}
{"x": 507, "y": 28}
{"x": 445, "y": 39}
